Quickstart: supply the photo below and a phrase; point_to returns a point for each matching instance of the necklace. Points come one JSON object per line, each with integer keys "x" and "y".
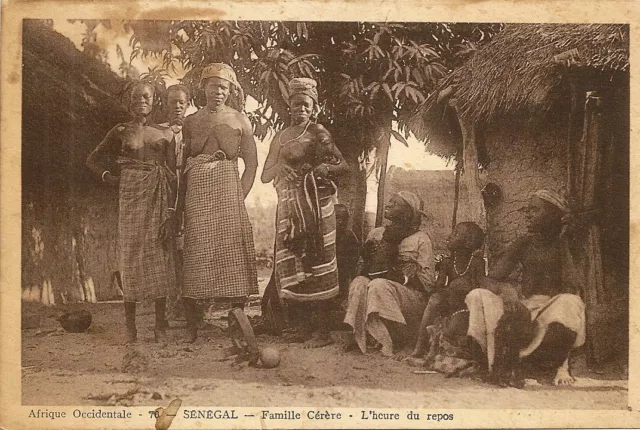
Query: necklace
{"x": 455, "y": 269}
{"x": 217, "y": 109}
{"x": 295, "y": 138}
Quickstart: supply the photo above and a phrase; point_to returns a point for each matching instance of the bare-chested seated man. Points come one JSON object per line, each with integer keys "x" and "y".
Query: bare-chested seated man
{"x": 546, "y": 289}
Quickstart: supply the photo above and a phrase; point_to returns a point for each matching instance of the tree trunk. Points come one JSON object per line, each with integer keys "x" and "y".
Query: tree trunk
{"x": 382, "y": 159}
{"x": 351, "y": 138}
{"x": 382, "y": 136}
{"x": 352, "y": 186}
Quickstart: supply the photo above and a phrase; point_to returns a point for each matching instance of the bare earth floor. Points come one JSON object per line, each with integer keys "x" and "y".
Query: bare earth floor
{"x": 62, "y": 368}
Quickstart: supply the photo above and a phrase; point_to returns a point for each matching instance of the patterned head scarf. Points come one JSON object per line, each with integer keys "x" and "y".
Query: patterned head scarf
{"x": 224, "y": 71}
{"x": 415, "y": 203}
{"x": 306, "y": 86}
{"x": 555, "y": 199}
{"x": 219, "y": 70}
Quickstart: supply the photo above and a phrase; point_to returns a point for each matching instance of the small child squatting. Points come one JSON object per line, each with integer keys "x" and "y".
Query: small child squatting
{"x": 458, "y": 275}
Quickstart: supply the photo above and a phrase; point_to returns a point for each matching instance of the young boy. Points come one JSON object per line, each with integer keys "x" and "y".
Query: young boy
{"x": 458, "y": 275}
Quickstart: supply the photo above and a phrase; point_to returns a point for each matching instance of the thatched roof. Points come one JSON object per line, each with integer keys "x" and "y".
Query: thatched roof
{"x": 521, "y": 72}
{"x": 69, "y": 102}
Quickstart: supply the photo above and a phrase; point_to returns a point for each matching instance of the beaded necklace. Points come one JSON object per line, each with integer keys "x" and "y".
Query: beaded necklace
{"x": 295, "y": 138}
{"x": 455, "y": 269}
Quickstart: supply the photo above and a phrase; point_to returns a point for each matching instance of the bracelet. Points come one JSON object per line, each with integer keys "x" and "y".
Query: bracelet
{"x": 104, "y": 173}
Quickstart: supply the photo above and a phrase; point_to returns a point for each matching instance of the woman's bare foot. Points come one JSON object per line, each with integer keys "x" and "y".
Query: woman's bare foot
{"x": 318, "y": 341}
{"x": 415, "y": 361}
{"x": 403, "y": 354}
{"x": 563, "y": 377}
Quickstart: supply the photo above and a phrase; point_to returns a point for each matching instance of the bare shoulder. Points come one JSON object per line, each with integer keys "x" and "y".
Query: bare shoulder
{"x": 193, "y": 117}
{"x": 191, "y": 121}
{"x": 318, "y": 129}
{"x": 240, "y": 117}
{"x": 118, "y": 128}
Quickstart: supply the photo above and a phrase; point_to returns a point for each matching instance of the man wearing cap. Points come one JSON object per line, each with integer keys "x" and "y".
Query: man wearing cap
{"x": 219, "y": 254}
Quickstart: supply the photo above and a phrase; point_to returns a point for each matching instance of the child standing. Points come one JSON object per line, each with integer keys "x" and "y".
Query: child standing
{"x": 347, "y": 250}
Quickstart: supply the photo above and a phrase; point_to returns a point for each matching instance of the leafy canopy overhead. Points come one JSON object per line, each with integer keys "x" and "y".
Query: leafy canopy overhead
{"x": 368, "y": 73}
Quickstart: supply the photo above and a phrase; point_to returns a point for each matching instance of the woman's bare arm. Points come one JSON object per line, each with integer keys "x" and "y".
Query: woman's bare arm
{"x": 249, "y": 155}
{"x": 270, "y": 169}
{"x": 510, "y": 259}
{"x": 333, "y": 169}
{"x": 110, "y": 147}
{"x": 441, "y": 275}
{"x": 186, "y": 153}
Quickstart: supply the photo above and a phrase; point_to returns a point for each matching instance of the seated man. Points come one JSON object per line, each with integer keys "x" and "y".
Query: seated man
{"x": 388, "y": 299}
{"x": 547, "y": 291}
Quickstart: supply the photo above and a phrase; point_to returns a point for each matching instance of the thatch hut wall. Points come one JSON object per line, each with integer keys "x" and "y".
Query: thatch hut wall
{"x": 547, "y": 106}
{"x": 69, "y": 218}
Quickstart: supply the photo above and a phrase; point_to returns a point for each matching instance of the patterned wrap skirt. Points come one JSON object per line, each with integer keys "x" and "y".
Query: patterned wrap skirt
{"x": 146, "y": 264}
{"x": 219, "y": 254}
{"x": 306, "y": 267}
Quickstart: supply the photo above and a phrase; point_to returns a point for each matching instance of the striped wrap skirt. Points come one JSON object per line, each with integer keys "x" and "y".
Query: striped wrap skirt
{"x": 305, "y": 253}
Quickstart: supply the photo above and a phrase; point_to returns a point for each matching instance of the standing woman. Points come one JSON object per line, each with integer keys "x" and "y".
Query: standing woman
{"x": 302, "y": 160}
{"x": 219, "y": 255}
{"x": 146, "y": 206}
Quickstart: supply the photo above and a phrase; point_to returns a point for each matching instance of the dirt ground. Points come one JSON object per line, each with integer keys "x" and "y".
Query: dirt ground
{"x": 60, "y": 368}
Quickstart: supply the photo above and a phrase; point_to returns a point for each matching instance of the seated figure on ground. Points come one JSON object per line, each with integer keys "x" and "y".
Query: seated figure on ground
{"x": 547, "y": 291}
{"x": 458, "y": 274}
{"x": 387, "y": 301}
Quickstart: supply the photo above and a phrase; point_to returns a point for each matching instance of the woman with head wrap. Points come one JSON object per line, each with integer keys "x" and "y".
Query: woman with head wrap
{"x": 387, "y": 301}
{"x": 219, "y": 255}
{"x": 302, "y": 161}
{"x": 547, "y": 289}
{"x": 146, "y": 160}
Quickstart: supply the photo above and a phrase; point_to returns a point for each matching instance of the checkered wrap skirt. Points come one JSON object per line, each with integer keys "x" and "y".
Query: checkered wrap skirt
{"x": 219, "y": 254}
{"x": 306, "y": 266}
{"x": 146, "y": 266}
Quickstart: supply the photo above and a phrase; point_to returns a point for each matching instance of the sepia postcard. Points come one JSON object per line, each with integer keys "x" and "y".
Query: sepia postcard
{"x": 284, "y": 214}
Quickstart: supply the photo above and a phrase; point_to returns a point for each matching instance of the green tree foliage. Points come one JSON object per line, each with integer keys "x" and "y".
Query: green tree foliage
{"x": 89, "y": 42}
{"x": 368, "y": 73}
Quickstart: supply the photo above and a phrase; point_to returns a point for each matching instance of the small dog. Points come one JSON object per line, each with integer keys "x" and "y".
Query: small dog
{"x": 514, "y": 332}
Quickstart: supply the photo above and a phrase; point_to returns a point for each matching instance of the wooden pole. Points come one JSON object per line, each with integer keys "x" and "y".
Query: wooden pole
{"x": 456, "y": 192}
{"x": 570, "y": 137}
{"x": 383, "y": 158}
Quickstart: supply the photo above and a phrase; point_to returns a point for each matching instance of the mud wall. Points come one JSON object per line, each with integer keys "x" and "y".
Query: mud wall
{"x": 521, "y": 162}
{"x": 437, "y": 189}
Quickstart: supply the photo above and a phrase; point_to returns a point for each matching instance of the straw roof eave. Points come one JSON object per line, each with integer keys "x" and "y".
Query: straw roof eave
{"x": 521, "y": 72}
